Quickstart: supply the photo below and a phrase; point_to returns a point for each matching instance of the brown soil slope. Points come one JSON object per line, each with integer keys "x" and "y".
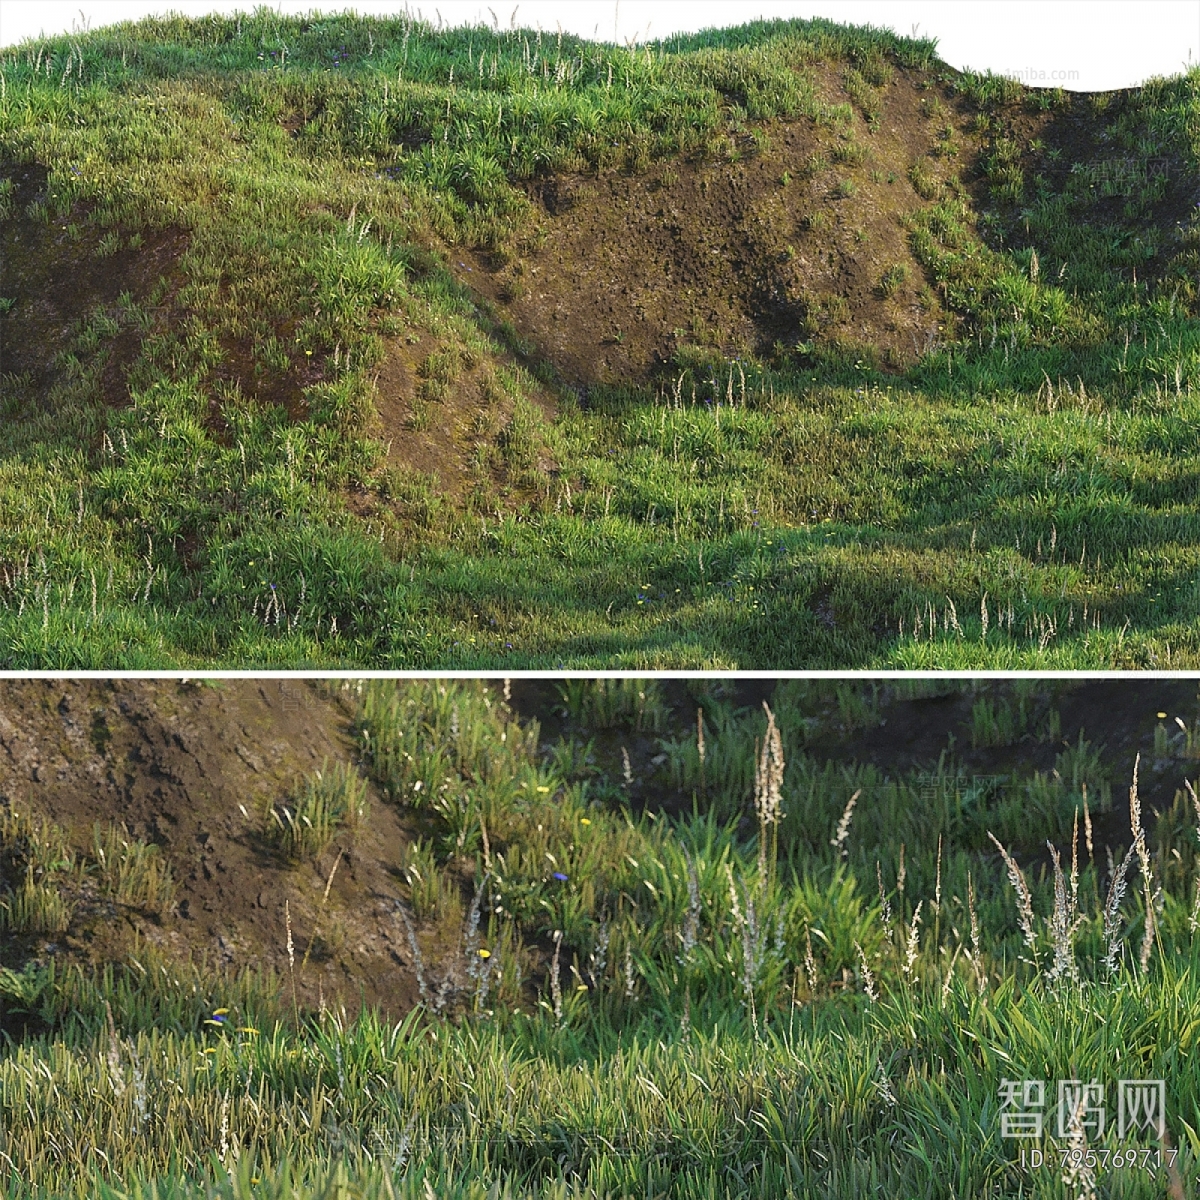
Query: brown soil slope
{"x": 177, "y": 763}
{"x": 798, "y": 234}
{"x": 786, "y": 238}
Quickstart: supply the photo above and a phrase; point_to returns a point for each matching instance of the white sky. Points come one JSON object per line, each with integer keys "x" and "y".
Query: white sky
{"x": 1087, "y": 45}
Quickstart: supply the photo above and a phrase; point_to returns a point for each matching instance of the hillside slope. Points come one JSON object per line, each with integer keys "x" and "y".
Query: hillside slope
{"x": 355, "y": 341}
{"x": 672, "y": 931}
{"x": 194, "y": 771}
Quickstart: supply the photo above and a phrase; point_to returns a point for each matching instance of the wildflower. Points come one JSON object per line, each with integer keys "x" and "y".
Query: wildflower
{"x": 485, "y": 953}
{"x": 560, "y": 876}
{"x": 585, "y": 820}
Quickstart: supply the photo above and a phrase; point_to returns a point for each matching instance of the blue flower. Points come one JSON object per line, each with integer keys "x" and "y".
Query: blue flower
{"x": 560, "y": 877}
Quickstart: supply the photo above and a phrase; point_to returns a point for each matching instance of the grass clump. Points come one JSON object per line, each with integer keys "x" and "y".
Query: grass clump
{"x": 329, "y": 800}
{"x": 893, "y": 279}
{"x": 607, "y": 703}
{"x": 35, "y": 861}
{"x": 44, "y": 880}
{"x": 131, "y": 871}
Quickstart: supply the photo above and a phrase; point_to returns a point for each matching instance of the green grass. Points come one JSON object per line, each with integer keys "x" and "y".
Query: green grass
{"x": 722, "y": 1024}
{"x": 1035, "y": 463}
{"x": 34, "y": 856}
{"x": 132, "y": 872}
{"x": 329, "y": 800}
{"x": 43, "y": 879}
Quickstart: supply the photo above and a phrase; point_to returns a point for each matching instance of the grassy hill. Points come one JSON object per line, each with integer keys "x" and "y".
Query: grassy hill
{"x": 591, "y": 938}
{"x": 357, "y": 342}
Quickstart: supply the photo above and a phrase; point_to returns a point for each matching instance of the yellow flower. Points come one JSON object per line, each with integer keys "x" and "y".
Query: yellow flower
{"x": 585, "y": 820}
{"x": 543, "y": 789}
{"x": 1161, "y": 716}
{"x": 485, "y": 954}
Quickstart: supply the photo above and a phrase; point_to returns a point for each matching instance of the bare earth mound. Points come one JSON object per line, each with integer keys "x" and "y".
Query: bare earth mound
{"x": 791, "y": 236}
{"x": 799, "y": 235}
{"x": 177, "y": 764}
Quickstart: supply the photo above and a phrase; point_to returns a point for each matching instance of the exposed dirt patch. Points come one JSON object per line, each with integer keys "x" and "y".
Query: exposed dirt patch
{"x": 788, "y": 239}
{"x": 176, "y": 762}
{"x": 797, "y": 236}
{"x": 246, "y": 375}
{"x": 59, "y": 273}
{"x": 442, "y": 411}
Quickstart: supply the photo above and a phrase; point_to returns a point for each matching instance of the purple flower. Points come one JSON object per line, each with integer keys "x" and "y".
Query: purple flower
{"x": 560, "y": 877}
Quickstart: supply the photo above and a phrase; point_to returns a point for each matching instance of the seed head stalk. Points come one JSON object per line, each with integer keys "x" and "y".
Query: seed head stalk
{"x": 910, "y": 953}
{"x": 291, "y": 953}
{"x": 1139, "y": 844}
{"x": 1024, "y": 899}
{"x": 768, "y": 800}
{"x": 937, "y": 901}
{"x": 1112, "y": 906}
{"x": 838, "y": 841}
{"x": 1194, "y": 919}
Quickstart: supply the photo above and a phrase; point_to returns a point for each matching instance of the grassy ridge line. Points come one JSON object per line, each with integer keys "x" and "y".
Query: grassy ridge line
{"x": 179, "y": 132}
